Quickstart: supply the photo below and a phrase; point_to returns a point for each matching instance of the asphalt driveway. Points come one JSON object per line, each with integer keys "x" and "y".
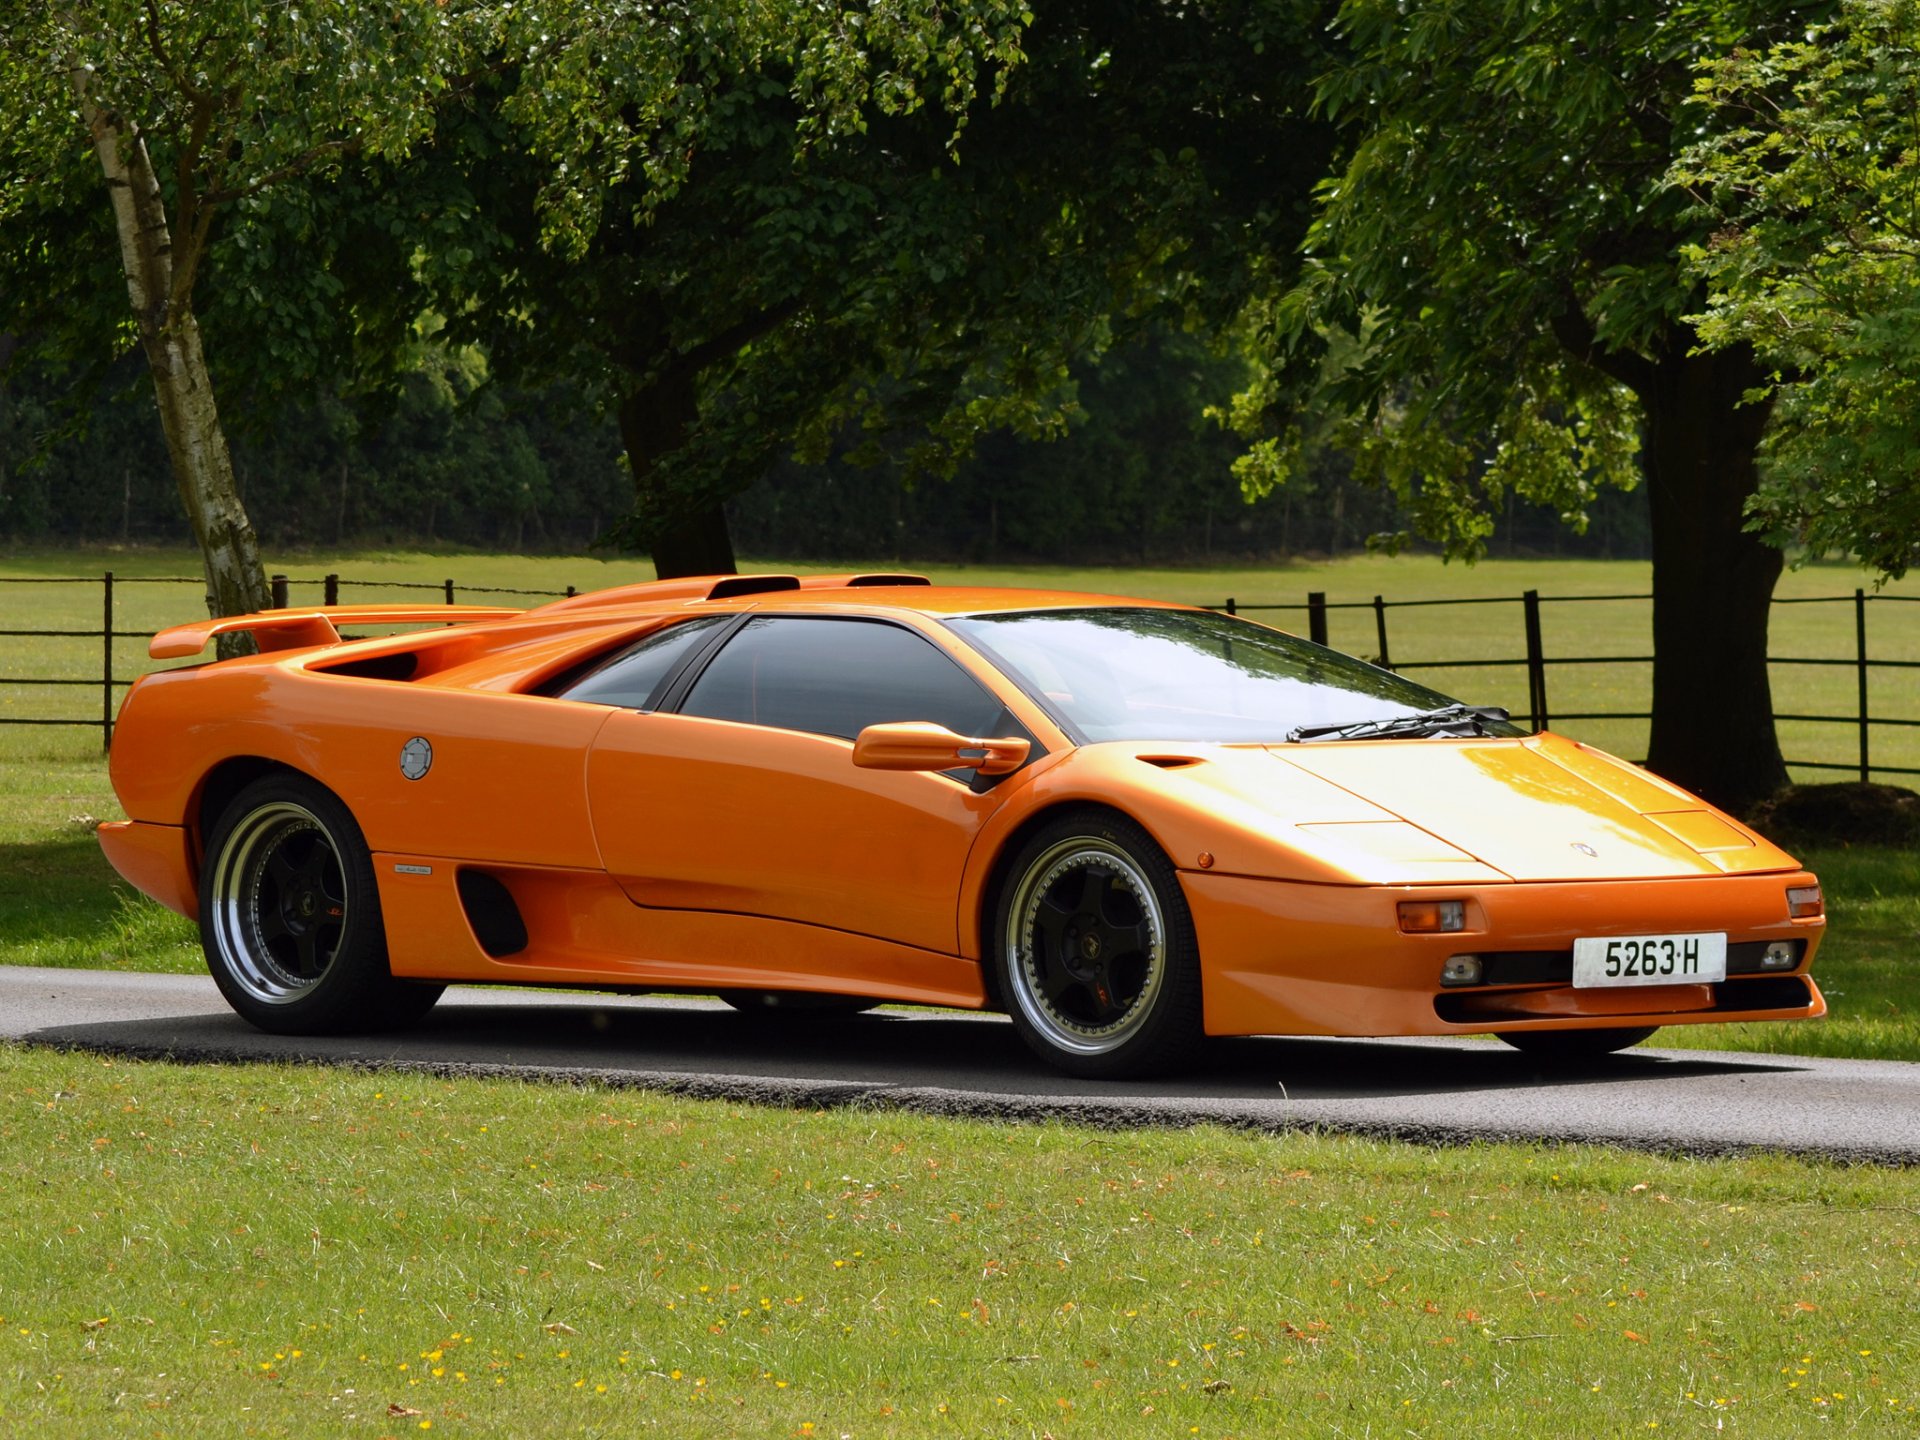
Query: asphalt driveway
{"x": 1435, "y": 1091}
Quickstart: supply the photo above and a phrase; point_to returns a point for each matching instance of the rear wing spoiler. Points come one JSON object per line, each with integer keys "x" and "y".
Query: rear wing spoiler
{"x": 303, "y": 629}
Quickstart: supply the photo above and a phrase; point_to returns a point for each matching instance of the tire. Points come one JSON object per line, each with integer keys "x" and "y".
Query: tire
{"x": 1094, "y": 950}
{"x": 290, "y": 916}
{"x": 766, "y": 1004}
{"x": 1575, "y": 1044}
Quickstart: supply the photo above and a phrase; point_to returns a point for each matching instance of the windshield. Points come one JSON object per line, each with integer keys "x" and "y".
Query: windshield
{"x": 1117, "y": 673}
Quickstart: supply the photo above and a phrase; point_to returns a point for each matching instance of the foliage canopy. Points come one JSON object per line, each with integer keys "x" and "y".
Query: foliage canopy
{"x": 1807, "y": 184}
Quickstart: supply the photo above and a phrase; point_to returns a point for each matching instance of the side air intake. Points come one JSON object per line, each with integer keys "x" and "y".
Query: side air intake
{"x": 492, "y": 913}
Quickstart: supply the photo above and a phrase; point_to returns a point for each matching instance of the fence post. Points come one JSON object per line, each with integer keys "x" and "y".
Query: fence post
{"x": 1385, "y": 662}
{"x": 1860, "y": 666}
{"x": 1536, "y": 663}
{"x": 330, "y": 593}
{"x": 449, "y": 588}
{"x": 106, "y": 661}
{"x": 1317, "y": 616}
{"x": 279, "y": 586}
{"x": 1230, "y": 607}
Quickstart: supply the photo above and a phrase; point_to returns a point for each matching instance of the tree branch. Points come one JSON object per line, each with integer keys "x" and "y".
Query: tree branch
{"x": 159, "y": 48}
{"x": 736, "y": 336}
{"x": 293, "y": 167}
{"x": 1576, "y": 336}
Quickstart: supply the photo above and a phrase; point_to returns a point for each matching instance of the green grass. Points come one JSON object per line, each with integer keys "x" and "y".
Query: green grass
{"x": 258, "y": 1251}
{"x": 1866, "y": 967}
{"x": 60, "y": 902}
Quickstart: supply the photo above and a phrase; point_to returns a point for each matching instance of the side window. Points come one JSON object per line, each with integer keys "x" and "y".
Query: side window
{"x": 836, "y": 677}
{"x": 629, "y": 677}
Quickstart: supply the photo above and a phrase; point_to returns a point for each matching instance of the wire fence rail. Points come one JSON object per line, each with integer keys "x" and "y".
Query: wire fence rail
{"x": 107, "y": 681}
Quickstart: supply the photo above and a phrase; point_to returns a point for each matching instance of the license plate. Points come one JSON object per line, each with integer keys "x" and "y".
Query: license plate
{"x": 1649, "y": 960}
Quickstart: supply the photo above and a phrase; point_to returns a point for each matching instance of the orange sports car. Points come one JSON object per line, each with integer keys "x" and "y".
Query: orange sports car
{"x": 1127, "y": 824}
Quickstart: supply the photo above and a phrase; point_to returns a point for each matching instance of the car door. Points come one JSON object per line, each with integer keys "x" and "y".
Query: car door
{"x": 741, "y": 795}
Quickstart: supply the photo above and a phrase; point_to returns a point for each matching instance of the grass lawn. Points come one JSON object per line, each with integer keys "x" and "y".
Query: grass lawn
{"x": 260, "y": 1251}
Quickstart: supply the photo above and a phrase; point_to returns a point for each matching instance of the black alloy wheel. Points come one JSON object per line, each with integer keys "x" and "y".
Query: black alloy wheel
{"x": 290, "y": 915}
{"x": 1097, "y": 960}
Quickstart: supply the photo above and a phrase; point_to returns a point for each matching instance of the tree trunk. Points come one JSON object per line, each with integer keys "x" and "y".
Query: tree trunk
{"x": 1713, "y": 581}
{"x": 170, "y": 336}
{"x": 688, "y": 539}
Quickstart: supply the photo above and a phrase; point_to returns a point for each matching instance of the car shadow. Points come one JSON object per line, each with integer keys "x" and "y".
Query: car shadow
{"x": 706, "y": 1049}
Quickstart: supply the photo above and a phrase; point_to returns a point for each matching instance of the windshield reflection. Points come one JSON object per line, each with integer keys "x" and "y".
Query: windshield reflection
{"x": 1120, "y": 673}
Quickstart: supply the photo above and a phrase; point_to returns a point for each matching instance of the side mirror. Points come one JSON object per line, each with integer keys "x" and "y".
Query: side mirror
{"x": 922, "y": 745}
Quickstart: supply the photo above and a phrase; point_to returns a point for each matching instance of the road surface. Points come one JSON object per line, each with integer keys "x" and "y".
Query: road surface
{"x": 1433, "y": 1091}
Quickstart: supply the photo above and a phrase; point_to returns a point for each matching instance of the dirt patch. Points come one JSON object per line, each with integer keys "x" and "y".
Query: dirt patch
{"x": 1845, "y": 814}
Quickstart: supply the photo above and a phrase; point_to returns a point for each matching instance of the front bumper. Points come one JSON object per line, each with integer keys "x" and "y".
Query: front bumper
{"x": 1280, "y": 958}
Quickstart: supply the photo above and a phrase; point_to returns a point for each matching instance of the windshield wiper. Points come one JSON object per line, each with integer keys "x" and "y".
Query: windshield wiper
{"x": 1447, "y": 720}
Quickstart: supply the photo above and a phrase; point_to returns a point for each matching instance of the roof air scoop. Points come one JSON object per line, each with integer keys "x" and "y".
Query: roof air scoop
{"x": 734, "y": 585}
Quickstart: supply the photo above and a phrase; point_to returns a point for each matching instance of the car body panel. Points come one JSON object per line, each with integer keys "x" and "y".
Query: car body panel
{"x": 1264, "y": 945}
{"x": 670, "y": 851}
{"x": 507, "y": 781}
{"x": 586, "y": 932}
{"x": 1532, "y": 809}
{"x": 156, "y": 860}
{"x": 698, "y": 814}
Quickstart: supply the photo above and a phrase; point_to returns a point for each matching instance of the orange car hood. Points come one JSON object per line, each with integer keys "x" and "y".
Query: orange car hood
{"x": 1540, "y": 808}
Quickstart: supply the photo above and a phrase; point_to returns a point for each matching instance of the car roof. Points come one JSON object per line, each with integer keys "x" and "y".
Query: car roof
{"x": 787, "y": 594}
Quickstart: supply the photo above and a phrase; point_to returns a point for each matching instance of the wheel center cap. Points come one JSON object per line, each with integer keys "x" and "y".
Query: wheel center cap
{"x": 305, "y": 905}
{"x": 1090, "y": 946}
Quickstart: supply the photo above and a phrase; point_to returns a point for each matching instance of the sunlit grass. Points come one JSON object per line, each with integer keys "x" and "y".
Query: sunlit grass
{"x": 1865, "y": 966}
{"x": 254, "y": 1251}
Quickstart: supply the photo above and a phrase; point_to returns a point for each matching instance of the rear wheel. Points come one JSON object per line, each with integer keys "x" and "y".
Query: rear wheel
{"x": 290, "y": 915}
{"x": 1575, "y": 1044}
{"x": 1097, "y": 959}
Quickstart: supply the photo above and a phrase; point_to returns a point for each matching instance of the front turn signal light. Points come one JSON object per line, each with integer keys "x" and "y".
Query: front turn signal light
{"x": 1432, "y": 917}
{"x": 1803, "y": 902}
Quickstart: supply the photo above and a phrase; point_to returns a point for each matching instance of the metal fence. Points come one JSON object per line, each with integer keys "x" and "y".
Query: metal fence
{"x": 107, "y": 681}
{"x": 1536, "y": 660}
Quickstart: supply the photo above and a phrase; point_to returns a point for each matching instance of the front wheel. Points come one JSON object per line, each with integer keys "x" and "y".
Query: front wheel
{"x": 1575, "y": 1044}
{"x": 1096, "y": 955}
{"x": 290, "y": 915}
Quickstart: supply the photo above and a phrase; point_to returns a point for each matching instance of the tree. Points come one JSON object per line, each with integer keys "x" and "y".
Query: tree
{"x": 762, "y": 230}
{"x": 663, "y": 203}
{"x": 1506, "y": 261}
{"x": 1812, "y": 259}
{"x": 190, "y": 108}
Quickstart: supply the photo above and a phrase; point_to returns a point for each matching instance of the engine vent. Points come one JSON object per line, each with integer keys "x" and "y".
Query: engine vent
{"x": 861, "y": 582}
{"x": 399, "y": 665}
